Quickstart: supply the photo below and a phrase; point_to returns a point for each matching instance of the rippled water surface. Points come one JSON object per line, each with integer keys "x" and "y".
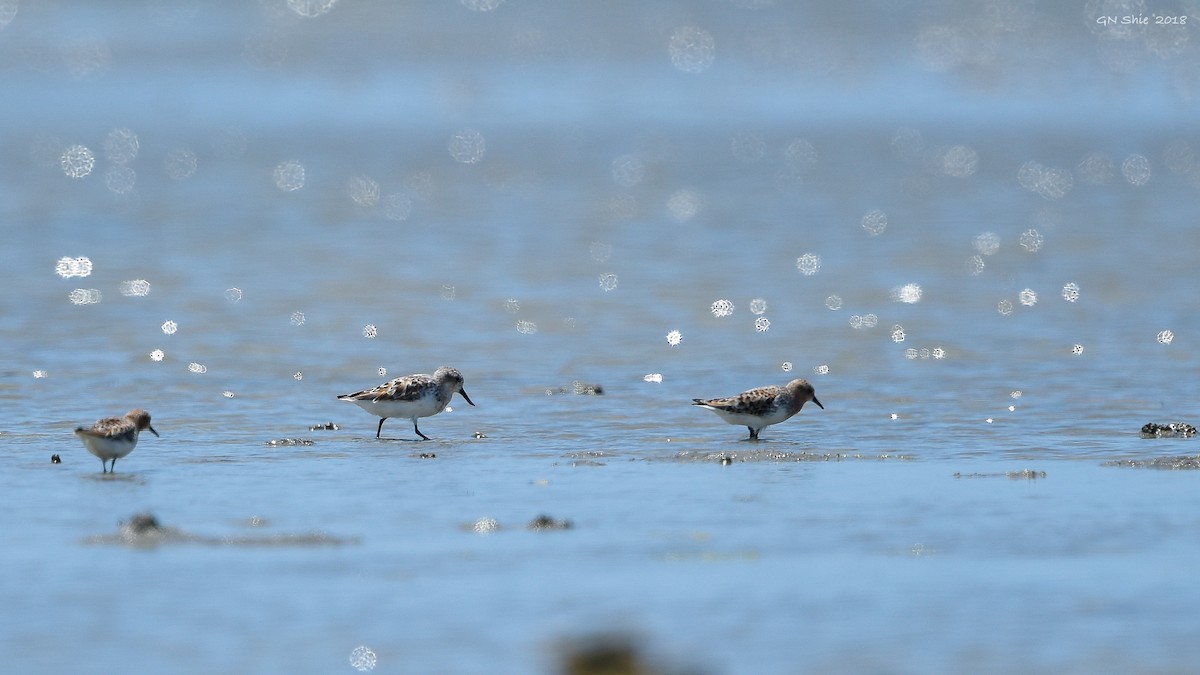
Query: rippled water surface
{"x": 971, "y": 228}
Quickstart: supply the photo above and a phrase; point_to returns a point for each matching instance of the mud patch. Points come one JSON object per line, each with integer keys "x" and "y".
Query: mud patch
{"x": 144, "y": 530}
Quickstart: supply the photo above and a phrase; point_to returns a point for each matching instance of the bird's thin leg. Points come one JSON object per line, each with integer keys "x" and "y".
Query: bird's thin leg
{"x": 103, "y": 465}
{"x": 753, "y": 433}
{"x": 418, "y": 430}
{"x": 113, "y": 466}
{"x": 379, "y": 429}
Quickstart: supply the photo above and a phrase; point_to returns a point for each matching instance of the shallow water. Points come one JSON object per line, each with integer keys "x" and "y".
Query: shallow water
{"x": 975, "y": 497}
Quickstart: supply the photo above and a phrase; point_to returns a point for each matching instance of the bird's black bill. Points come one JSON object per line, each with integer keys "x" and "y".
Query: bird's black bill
{"x": 151, "y": 430}
{"x": 818, "y": 403}
{"x": 464, "y": 395}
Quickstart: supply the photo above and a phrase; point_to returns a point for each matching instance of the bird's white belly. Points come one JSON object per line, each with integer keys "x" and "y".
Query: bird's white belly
{"x": 108, "y": 448}
{"x": 754, "y": 421}
{"x": 422, "y": 407}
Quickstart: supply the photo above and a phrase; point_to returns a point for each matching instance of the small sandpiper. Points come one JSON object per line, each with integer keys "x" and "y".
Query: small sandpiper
{"x": 411, "y": 396}
{"x": 759, "y": 408}
{"x": 114, "y": 437}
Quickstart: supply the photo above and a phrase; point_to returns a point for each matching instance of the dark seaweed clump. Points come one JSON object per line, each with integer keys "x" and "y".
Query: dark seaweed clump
{"x": 1172, "y": 430}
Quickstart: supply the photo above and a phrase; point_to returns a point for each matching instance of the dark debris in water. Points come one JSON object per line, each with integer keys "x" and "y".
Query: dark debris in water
{"x": 1023, "y": 474}
{"x": 1177, "y": 463}
{"x": 544, "y": 523}
{"x": 1171, "y": 430}
{"x": 611, "y": 654}
{"x": 55, "y": 459}
{"x": 143, "y": 530}
{"x": 328, "y": 426}
{"x": 282, "y": 442}
{"x": 578, "y": 388}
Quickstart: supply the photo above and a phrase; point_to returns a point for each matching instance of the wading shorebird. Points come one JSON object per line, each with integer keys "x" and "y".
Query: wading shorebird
{"x": 759, "y": 408}
{"x": 411, "y": 396}
{"x": 114, "y": 437}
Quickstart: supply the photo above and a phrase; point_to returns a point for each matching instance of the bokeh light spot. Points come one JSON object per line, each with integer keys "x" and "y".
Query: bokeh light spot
{"x": 1096, "y": 168}
{"x": 975, "y": 265}
{"x": 170, "y": 327}
{"x": 73, "y": 267}
{"x": 908, "y": 293}
{"x": 808, "y": 264}
{"x": 834, "y": 302}
{"x": 762, "y": 324}
{"x": 1165, "y": 337}
{"x": 987, "y": 243}
{"x": 467, "y": 146}
{"x": 396, "y": 206}
{"x": 121, "y": 146}
{"x": 683, "y": 205}
{"x": 674, "y": 338}
{"x": 1070, "y": 292}
{"x": 310, "y": 9}
{"x": 758, "y": 306}
{"x": 198, "y": 368}
{"x": 157, "y": 355}
{"x": 288, "y": 175}
{"x": 875, "y": 222}
{"x": 957, "y": 161}
{"x": 84, "y": 296}
{"x": 361, "y": 657}
{"x": 1136, "y": 169}
{"x": 180, "y": 164}
{"x": 363, "y": 190}
{"x": 1027, "y": 297}
{"x": 1050, "y": 183}
{"x": 370, "y": 332}
{"x": 526, "y": 327}
{"x": 120, "y": 179}
{"x": 482, "y": 5}
{"x": 786, "y": 366}
{"x": 722, "y": 308}
{"x": 628, "y": 170}
{"x": 692, "y": 49}
{"x": 800, "y": 156}
{"x": 898, "y": 333}
{"x": 653, "y": 377}
{"x": 8, "y": 12}
{"x": 600, "y": 251}
{"x": 1031, "y": 240}
{"x": 297, "y": 318}
{"x": 748, "y": 147}
{"x": 233, "y": 294}
{"x": 77, "y": 161}
{"x": 608, "y": 282}
{"x": 136, "y": 288}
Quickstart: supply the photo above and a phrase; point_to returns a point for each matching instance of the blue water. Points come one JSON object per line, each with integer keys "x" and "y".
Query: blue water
{"x": 975, "y": 496}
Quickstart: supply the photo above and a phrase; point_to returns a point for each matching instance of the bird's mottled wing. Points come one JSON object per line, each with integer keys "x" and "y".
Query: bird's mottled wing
{"x": 109, "y": 427}
{"x": 407, "y": 388}
{"x": 759, "y": 401}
